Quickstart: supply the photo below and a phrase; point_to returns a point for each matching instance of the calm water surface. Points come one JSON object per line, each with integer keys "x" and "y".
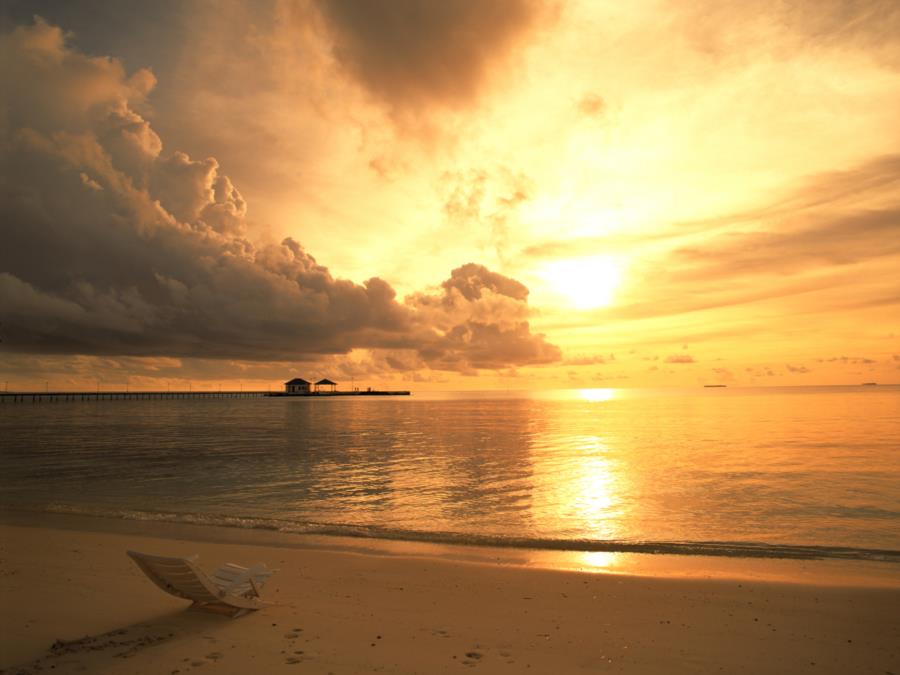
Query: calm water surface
{"x": 784, "y": 467}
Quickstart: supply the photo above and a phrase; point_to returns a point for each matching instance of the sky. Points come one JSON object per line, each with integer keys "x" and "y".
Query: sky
{"x": 458, "y": 195}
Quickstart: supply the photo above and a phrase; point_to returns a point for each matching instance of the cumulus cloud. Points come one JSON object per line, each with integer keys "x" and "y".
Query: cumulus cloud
{"x": 417, "y": 53}
{"x": 483, "y": 315}
{"x": 115, "y": 246}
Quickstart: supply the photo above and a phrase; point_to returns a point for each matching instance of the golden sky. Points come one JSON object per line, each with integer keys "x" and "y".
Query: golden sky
{"x": 464, "y": 194}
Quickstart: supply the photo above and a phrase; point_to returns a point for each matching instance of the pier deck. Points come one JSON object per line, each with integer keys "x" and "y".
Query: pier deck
{"x": 57, "y": 396}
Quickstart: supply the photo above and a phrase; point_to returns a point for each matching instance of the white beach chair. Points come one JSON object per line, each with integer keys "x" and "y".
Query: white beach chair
{"x": 231, "y": 589}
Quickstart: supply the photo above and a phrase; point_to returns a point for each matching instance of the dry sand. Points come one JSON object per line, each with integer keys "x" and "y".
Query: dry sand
{"x": 72, "y": 602}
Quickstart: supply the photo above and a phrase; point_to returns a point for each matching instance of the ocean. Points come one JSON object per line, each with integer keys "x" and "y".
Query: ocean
{"x": 798, "y": 472}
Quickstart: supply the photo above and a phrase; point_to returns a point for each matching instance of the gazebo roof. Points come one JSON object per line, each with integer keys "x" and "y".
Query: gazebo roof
{"x": 325, "y": 381}
{"x": 297, "y": 380}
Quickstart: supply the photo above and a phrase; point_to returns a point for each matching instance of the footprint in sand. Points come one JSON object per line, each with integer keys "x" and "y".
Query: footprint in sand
{"x": 214, "y": 656}
{"x": 472, "y": 659}
{"x": 292, "y": 660}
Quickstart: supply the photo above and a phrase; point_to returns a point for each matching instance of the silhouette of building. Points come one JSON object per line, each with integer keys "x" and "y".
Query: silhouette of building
{"x": 296, "y": 386}
{"x": 326, "y": 383}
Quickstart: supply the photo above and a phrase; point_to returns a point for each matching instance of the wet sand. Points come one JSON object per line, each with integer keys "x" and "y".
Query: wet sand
{"x": 72, "y": 602}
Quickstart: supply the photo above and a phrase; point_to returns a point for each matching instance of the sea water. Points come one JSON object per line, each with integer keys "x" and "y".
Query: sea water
{"x": 782, "y": 472}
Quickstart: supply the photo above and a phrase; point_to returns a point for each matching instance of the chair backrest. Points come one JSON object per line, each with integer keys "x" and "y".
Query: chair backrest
{"x": 178, "y": 576}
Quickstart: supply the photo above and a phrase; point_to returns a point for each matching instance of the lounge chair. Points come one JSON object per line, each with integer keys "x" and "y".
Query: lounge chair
{"x": 231, "y": 589}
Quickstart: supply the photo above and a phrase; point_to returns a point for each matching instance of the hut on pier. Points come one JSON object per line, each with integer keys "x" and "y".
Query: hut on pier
{"x": 326, "y": 383}
{"x": 297, "y": 386}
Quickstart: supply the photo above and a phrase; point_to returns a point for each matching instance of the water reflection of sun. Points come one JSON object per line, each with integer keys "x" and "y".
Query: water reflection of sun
{"x": 594, "y": 487}
{"x": 583, "y": 488}
{"x": 600, "y": 559}
{"x": 587, "y": 493}
{"x": 597, "y": 395}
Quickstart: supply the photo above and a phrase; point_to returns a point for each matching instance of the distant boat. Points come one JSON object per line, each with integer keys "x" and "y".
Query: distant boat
{"x": 714, "y": 386}
{"x": 870, "y": 384}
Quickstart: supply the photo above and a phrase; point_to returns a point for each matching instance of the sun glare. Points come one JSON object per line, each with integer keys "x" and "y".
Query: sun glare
{"x": 585, "y": 283}
{"x": 597, "y": 395}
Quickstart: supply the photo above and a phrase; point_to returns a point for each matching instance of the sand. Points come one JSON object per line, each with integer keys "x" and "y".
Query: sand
{"x": 72, "y": 602}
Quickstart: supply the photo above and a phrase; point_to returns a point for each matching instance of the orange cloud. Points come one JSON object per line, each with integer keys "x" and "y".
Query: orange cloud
{"x": 116, "y": 248}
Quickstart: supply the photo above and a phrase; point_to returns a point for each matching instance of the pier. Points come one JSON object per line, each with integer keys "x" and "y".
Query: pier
{"x": 328, "y": 394}
{"x": 58, "y": 396}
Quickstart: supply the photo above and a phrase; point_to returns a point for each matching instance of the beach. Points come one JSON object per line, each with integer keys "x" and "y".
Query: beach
{"x": 517, "y": 337}
{"x": 74, "y": 603}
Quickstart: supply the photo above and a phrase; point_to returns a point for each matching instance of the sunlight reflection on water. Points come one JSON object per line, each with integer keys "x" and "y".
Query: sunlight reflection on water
{"x": 817, "y": 466}
{"x": 597, "y": 395}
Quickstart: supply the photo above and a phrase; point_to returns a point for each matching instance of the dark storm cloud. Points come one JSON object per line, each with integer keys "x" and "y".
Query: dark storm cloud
{"x": 414, "y": 53}
{"x": 113, "y": 246}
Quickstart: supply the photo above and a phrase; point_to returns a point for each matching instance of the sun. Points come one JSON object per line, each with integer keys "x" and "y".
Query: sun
{"x": 585, "y": 283}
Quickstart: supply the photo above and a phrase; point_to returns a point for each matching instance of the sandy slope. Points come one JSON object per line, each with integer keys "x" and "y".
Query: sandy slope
{"x": 342, "y": 612}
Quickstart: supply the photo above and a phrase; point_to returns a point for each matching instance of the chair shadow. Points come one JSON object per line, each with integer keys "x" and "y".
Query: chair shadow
{"x": 94, "y": 653}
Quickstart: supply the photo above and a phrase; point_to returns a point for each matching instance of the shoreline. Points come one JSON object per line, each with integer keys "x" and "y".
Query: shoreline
{"x": 409, "y": 610}
{"x": 815, "y": 571}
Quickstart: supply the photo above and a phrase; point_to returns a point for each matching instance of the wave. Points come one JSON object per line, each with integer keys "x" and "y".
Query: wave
{"x": 731, "y": 549}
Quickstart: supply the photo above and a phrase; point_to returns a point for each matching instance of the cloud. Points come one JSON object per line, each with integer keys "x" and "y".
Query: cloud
{"x": 842, "y": 239}
{"x": 597, "y": 359}
{"x": 820, "y": 238}
{"x": 592, "y": 105}
{"x": 413, "y": 54}
{"x": 113, "y": 246}
{"x": 724, "y": 374}
{"x": 483, "y": 315}
{"x": 482, "y": 204}
{"x": 826, "y": 245}
{"x": 726, "y": 29}
{"x": 680, "y": 358}
{"x": 797, "y": 369}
